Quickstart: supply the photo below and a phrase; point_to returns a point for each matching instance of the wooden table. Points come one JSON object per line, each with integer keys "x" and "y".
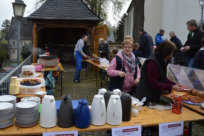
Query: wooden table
{"x": 146, "y": 117}
{"x": 19, "y": 96}
{"x": 195, "y": 108}
{"x": 88, "y": 61}
{"x": 58, "y": 68}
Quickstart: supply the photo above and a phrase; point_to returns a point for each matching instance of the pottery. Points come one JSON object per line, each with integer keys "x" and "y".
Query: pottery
{"x": 66, "y": 113}
{"x": 82, "y": 114}
{"x": 98, "y": 111}
{"x": 13, "y": 87}
{"x": 48, "y": 114}
{"x": 126, "y": 106}
{"x": 114, "y": 110}
{"x": 102, "y": 91}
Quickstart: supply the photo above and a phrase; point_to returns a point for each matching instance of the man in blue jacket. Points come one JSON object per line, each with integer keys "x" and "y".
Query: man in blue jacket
{"x": 146, "y": 44}
{"x": 159, "y": 37}
{"x": 78, "y": 55}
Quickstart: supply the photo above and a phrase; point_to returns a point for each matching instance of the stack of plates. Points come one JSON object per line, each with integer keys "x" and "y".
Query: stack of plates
{"x": 8, "y": 98}
{"x": 33, "y": 99}
{"x": 6, "y": 114}
{"x": 26, "y": 114}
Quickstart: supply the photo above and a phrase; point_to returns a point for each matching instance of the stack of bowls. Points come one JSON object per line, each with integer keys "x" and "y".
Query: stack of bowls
{"x": 6, "y": 114}
{"x": 8, "y": 98}
{"x": 26, "y": 114}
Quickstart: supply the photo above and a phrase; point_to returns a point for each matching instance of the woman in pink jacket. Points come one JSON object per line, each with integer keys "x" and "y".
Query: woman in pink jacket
{"x": 123, "y": 70}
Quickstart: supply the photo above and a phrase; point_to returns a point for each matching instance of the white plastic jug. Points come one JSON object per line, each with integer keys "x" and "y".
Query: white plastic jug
{"x": 114, "y": 110}
{"x": 98, "y": 111}
{"x": 48, "y": 114}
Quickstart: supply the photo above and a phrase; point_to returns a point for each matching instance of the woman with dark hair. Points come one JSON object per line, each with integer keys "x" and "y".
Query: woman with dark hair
{"x": 154, "y": 81}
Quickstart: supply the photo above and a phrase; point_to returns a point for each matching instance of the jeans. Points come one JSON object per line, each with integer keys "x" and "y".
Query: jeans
{"x": 190, "y": 62}
{"x": 78, "y": 60}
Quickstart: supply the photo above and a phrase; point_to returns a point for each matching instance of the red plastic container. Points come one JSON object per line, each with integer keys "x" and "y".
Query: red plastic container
{"x": 177, "y": 104}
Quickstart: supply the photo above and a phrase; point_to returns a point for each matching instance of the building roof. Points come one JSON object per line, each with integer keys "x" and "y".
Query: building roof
{"x": 130, "y": 6}
{"x": 64, "y": 10}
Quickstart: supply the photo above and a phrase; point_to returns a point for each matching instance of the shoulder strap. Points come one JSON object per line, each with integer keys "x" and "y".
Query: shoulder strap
{"x": 136, "y": 63}
{"x": 119, "y": 64}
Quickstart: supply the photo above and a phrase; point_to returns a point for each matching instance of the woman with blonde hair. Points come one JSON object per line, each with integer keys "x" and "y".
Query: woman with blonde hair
{"x": 123, "y": 70}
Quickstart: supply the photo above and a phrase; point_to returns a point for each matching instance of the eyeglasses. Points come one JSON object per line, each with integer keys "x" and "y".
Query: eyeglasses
{"x": 127, "y": 47}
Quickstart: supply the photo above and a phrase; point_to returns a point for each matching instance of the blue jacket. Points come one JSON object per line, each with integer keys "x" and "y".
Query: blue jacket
{"x": 146, "y": 45}
{"x": 158, "y": 39}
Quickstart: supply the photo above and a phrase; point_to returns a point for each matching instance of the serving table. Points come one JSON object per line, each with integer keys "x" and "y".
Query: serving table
{"x": 97, "y": 65}
{"x": 146, "y": 117}
{"x": 59, "y": 68}
{"x": 19, "y": 96}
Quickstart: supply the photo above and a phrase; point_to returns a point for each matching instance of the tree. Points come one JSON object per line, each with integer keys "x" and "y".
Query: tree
{"x": 120, "y": 29}
{"x": 101, "y": 7}
{"x": 5, "y": 29}
{"x": 138, "y": 18}
{"x": 3, "y": 56}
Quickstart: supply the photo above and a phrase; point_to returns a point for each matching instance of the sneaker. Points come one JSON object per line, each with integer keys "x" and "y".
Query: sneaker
{"x": 76, "y": 81}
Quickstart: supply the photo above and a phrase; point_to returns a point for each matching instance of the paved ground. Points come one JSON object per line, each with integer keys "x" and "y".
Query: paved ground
{"x": 87, "y": 89}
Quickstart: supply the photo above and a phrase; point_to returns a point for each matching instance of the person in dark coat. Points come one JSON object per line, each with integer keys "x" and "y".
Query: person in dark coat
{"x": 177, "y": 56}
{"x": 175, "y": 40}
{"x": 153, "y": 81}
{"x": 193, "y": 43}
{"x": 103, "y": 48}
{"x": 146, "y": 44}
{"x": 199, "y": 57}
{"x": 136, "y": 51}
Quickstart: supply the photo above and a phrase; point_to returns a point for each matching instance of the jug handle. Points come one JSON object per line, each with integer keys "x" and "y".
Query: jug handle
{"x": 51, "y": 100}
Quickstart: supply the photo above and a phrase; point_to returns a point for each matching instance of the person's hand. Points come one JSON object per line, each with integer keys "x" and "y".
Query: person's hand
{"x": 100, "y": 51}
{"x": 182, "y": 49}
{"x": 177, "y": 88}
{"x": 187, "y": 48}
{"x": 86, "y": 57}
{"x": 184, "y": 88}
{"x": 136, "y": 81}
{"x": 121, "y": 74}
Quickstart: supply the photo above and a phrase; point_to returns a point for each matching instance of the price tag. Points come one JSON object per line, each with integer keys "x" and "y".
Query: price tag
{"x": 171, "y": 129}
{"x": 127, "y": 131}
{"x": 65, "y": 133}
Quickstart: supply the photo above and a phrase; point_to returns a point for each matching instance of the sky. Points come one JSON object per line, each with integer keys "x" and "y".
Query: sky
{"x": 6, "y": 10}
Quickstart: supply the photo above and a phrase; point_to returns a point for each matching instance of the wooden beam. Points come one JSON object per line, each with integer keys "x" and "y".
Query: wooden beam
{"x": 34, "y": 43}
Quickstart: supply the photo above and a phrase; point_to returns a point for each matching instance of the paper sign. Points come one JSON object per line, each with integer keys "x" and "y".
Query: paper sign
{"x": 65, "y": 133}
{"x": 127, "y": 131}
{"x": 171, "y": 129}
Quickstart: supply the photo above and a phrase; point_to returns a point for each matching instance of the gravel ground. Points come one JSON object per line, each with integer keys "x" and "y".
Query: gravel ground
{"x": 87, "y": 89}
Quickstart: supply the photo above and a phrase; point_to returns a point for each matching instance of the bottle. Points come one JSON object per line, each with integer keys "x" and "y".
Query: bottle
{"x": 13, "y": 87}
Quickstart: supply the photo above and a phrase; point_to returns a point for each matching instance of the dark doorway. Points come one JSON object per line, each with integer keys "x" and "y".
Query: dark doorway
{"x": 60, "y": 41}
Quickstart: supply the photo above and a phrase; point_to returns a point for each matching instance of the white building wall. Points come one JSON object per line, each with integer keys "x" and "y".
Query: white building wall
{"x": 126, "y": 26}
{"x": 175, "y": 15}
{"x": 153, "y": 16}
{"x": 129, "y": 25}
{"x": 131, "y": 20}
